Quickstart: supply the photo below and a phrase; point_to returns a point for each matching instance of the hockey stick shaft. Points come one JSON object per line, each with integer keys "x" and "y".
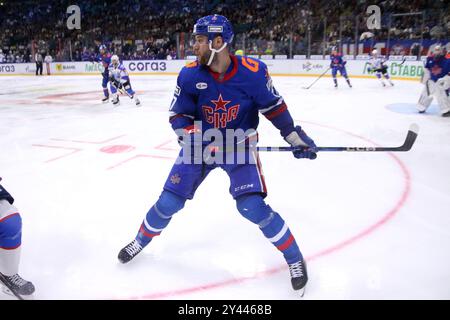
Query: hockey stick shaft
{"x": 407, "y": 145}
{"x": 318, "y": 78}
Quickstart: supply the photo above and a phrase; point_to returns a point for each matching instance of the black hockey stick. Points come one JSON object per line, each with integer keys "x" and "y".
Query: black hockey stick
{"x": 5, "y": 283}
{"x": 407, "y": 145}
{"x": 403, "y": 61}
{"x": 317, "y": 79}
{"x": 120, "y": 89}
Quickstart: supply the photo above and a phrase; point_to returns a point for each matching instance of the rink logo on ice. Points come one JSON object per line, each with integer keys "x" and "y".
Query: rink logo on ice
{"x": 74, "y": 20}
{"x": 7, "y": 68}
{"x": 147, "y": 66}
{"x": 201, "y": 85}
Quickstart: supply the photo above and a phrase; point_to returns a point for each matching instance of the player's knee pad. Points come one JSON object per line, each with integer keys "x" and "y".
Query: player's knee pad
{"x": 253, "y": 208}
{"x": 11, "y": 231}
{"x": 168, "y": 204}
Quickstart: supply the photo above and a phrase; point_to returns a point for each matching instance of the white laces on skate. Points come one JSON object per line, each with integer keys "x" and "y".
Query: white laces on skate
{"x": 296, "y": 270}
{"x": 133, "y": 248}
{"x": 17, "y": 280}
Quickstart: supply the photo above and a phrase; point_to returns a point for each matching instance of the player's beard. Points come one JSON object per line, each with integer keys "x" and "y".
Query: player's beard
{"x": 203, "y": 59}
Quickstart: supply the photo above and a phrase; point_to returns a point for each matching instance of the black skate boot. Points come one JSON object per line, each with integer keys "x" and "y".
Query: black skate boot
{"x": 299, "y": 276}
{"x": 129, "y": 251}
{"x": 17, "y": 286}
{"x": 105, "y": 99}
{"x": 447, "y": 114}
{"x": 115, "y": 101}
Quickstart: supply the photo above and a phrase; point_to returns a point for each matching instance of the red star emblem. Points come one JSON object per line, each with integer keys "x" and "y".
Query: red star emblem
{"x": 220, "y": 103}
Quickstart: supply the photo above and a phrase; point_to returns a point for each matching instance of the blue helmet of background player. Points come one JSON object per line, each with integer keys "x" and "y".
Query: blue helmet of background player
{"x": 213, "y": 26}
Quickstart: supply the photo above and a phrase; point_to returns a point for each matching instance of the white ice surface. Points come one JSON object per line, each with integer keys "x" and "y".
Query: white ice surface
{"x": 372, "y": 225}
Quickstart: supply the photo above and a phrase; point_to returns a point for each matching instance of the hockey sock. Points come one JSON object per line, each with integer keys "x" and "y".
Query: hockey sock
{"x": 253, "y": 208}
{"x": 159, "y": 216}
{"x": 106, "y": 92}
{"x": 10, "y": 231}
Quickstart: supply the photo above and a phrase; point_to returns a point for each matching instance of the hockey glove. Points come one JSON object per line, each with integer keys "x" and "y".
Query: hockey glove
{"x": 306, "y": 146}
{"x": 444, "y": 82}
{"x": 190, "y": 139}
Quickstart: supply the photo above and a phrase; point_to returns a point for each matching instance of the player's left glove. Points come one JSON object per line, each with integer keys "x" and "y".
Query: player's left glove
{"x": 306, "y": 146}
{"x": 190, "y": 139}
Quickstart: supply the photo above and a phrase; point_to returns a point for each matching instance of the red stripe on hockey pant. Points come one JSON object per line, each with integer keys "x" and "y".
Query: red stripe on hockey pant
{"x": 286, "y": 244}
{"x": 275, "y": 113}
{"x": 258, "y": 164}
{"x": 10, "y": 248}
{"x": 7, "y": 217}
{"x": 145, "y": 233}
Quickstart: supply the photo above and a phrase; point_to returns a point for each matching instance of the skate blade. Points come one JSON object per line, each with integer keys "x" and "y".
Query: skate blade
{"x": 301, "y": 292}
{"x": 8, "y": 291}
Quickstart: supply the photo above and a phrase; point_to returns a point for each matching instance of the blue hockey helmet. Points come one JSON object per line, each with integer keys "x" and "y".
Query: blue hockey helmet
{"x": 213, "y": 26}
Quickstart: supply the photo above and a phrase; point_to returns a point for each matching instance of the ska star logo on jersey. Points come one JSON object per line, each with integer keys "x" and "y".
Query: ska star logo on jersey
{"x": 220, "y": 114}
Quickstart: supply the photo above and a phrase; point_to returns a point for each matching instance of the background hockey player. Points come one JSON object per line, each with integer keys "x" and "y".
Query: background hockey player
{"x": 338, "y": 64}
{"x": 120, "y": 81}
{"x": 104, "y": 57}
{"x": 10, "y": 246}
{"x": 436, "y": 80}
{"x": 379, "y": 67}
{"x": 222, "y": 91}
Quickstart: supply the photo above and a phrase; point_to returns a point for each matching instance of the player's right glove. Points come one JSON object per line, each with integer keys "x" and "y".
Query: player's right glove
{"x": 306, "y": 146}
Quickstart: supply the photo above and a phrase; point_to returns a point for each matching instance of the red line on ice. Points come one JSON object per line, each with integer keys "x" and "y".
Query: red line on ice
{"x": 354, "y": 238}
{"x": 57, "y": 147}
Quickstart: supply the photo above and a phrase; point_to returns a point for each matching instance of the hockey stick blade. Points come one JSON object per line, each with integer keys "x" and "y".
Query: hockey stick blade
{"x": 407, "y": 145}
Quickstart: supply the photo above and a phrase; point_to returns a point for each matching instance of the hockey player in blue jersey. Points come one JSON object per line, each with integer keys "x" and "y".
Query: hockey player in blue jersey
{"x": 104, "y": 57}
{"x": 10, "y": 246}
{"x": 222, "y": 92}
{"x": 436, "y": 80}
{"x": 338, "y": 64}
{"x": 120, "y": 81}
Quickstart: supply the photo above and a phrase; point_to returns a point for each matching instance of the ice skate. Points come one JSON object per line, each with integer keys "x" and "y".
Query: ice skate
{"x": 129, "y": 251}
{"x": 105, "y": 99}
{"x": 16, "y": 285}
{"x": 299, "y": 276}
{"x": 115, "y": 100}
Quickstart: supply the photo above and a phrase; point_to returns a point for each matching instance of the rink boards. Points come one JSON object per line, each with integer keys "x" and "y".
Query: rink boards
{"x": 408, "y": 70}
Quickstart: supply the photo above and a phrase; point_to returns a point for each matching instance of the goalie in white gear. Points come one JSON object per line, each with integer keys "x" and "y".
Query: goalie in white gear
{"x": 120, "y": 81}
{"x": 377, "y": 65}
{"x": 436, "y": 80}
{"x": 10, "y": 246}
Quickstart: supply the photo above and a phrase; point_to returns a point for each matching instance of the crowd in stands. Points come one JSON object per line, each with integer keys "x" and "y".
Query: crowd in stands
{"x": 159, "y": 29}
